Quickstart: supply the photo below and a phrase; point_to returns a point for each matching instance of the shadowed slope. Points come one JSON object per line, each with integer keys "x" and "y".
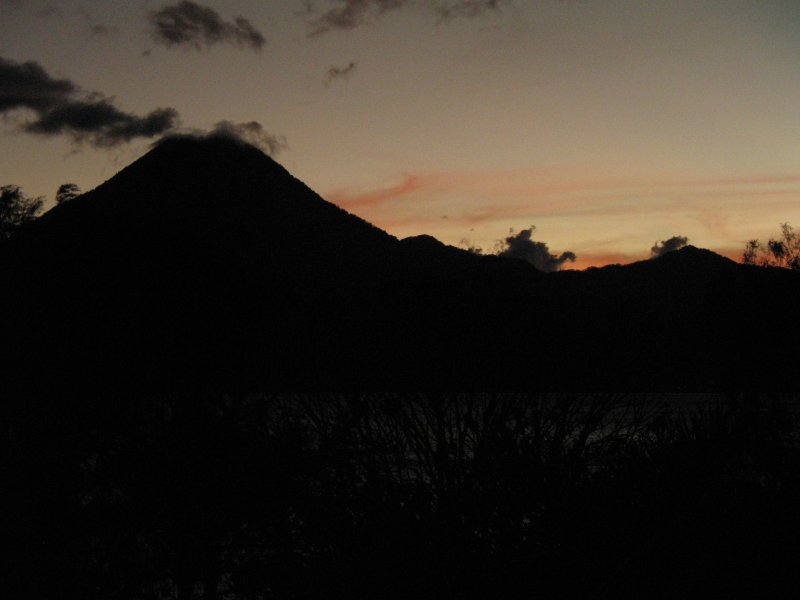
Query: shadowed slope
{"x": 688, "y": 320}
{"x": 205, "y": 263}
{"x": 187, "y": 263}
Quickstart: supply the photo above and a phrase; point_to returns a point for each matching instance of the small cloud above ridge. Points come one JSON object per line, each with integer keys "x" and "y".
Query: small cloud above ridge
{"x": 522, "y": 245}
{"x": 250, "y": 133}
{"x": 676, "y": 242}
{"x": 253, "y": 133}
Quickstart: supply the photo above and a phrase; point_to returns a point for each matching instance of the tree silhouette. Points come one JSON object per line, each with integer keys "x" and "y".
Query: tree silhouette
{"x": 401, "y": 496}
{"x": 16, "y": 209}
{"x": 781, "y": 252}
{"x": 67, "y": 192}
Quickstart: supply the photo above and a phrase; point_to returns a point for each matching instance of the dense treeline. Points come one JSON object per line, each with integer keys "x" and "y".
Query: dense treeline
{"x": 402, "y": 496}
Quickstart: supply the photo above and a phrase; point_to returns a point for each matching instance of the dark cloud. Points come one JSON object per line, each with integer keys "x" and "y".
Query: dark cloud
{"x": 62, "y": 109}
{"x": 522, "y": 246}
{"x": 101, "y": 122}
{"x": 348, "y": 14}
{"x": 676, "y": 242}
{"x": 340, "y": 72}
{"x": 192, "y": 25}
{"x": 251, "y": 132}
{"x": 468, "y": 8}
{"x": 27, "y": 85}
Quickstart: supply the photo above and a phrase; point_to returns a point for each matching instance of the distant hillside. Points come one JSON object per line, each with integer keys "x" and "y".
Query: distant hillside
{"x": 206, "y": 264}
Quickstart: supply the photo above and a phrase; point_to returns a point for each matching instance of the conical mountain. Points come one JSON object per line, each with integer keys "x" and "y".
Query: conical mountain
{"x": 206, "y": 261}
{"x": 226, "y": 195}
{"x": 203, "y": 257}
{"x": 206, "y": 264}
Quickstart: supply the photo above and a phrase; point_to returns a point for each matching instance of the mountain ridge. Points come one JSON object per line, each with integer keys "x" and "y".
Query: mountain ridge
{"x": 205, "y": 263}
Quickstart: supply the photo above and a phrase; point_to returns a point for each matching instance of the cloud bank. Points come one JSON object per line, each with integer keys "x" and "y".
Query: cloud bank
{"x": 195, "y": 26}
{"x": 61, "y": 108}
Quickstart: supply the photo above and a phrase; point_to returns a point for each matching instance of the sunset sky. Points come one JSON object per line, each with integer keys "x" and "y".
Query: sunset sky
{"x": 607, "y": 124}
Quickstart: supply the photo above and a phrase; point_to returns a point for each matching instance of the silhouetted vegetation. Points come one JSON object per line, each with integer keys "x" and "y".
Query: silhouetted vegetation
{"x": 783, "y": 251}
{"x": 402, "y": 496}
{"x": 67, "y": 192}
{"x": 16, "y": 209}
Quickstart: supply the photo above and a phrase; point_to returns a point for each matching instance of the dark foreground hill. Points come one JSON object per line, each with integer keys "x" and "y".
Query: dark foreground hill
{"x": 133, "y": 315}
{"x": 206, "y": 264}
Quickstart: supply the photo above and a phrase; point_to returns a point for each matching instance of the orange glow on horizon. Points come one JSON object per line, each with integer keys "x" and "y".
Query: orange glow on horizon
{"x": 605, "y": 218}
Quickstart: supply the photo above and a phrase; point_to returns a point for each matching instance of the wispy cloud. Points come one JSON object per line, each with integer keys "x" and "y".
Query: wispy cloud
{"x": 335, "y": 72}
{"x": 468, "y": 8}
{"x": 192, "y": 25}
{"x": 61, "y": 108}
{"x": 600, "y": 205}
{"x": 251, "y": 132}
{"x": 96, "y": 28}
{"x": 347, "y": 14}
{"x": 563, "y": 191}
{"x": 351, "y": 200}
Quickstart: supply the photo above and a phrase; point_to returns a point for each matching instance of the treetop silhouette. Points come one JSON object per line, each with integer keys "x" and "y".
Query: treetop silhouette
{"x": 783, "y": 251}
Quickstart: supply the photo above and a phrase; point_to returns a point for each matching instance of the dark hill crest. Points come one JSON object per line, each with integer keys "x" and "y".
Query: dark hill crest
{"x": 205, "y": 263}
{"x": 699, "y": 258}
{"x": 216, "y": 176}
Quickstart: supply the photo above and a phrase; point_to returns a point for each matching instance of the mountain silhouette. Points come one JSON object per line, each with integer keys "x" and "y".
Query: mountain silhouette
{"x": 206, "y": 264}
